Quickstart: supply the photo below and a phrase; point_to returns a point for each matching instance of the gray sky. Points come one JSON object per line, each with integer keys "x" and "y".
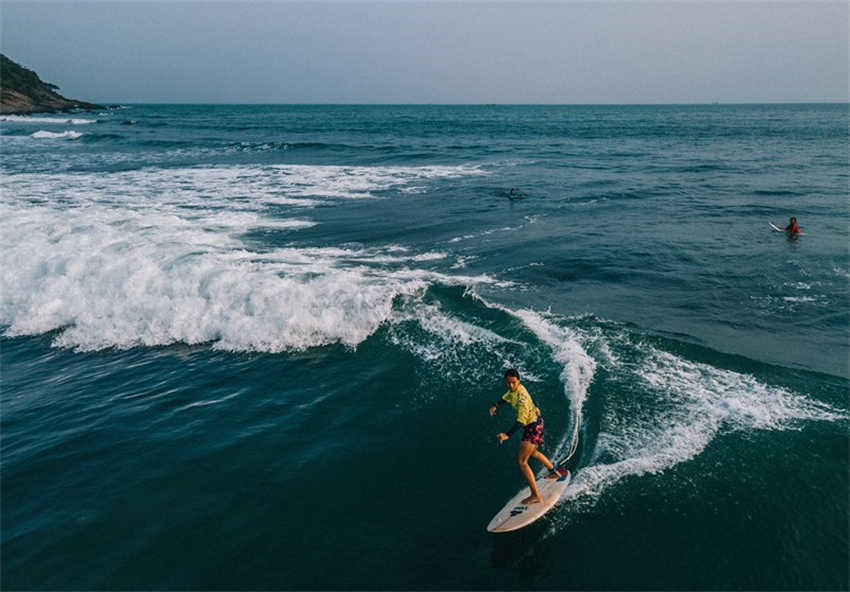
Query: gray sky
{"x": 434, "y": 52}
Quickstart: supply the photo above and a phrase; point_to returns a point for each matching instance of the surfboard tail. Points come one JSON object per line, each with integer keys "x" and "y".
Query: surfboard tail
{"x": 516, "y": 515}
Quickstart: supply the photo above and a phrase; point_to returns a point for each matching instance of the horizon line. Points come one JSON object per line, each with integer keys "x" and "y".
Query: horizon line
{"x": 398, "y": 104}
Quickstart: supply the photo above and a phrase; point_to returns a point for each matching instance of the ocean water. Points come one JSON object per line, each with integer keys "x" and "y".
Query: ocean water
{"x": 253, "y": 347}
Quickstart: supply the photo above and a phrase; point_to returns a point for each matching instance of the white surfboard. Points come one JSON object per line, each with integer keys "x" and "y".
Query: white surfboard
{"x": 516, "y": 514}
{"x": 777, "y": 229}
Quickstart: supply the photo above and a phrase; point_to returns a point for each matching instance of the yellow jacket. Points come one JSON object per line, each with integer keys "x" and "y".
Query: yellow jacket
{"x": 520, "y": 400}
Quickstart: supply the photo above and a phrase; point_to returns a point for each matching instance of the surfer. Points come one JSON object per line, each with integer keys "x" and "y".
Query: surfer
{"x": 792, "y": 227}
{"x": 529, "y": 418}
{"x": 514, "y": 194}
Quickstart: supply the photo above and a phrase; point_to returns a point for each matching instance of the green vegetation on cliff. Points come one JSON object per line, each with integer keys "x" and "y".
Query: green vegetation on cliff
{"x": 24, "y": 92}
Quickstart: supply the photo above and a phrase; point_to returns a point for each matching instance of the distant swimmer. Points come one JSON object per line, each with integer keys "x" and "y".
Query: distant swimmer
{"x": 528, "y": 418}
{"x": 792, "y": 230}
{"x": 792, "y": 227}
{"x": 514, "y": 194}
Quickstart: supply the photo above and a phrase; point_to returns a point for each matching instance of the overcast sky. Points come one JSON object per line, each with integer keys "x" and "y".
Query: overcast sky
{"x": 434, "y": 52}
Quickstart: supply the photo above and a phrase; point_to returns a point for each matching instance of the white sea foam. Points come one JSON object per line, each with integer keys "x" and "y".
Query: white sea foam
{"x": 789, "y": 303}
{"x": 224, "y": 186}
{"x": 578, "y": 367}
{"x": 353, "y": 182}
{"x": 66, "y": 135}
{"x": 681, "y": 408}
{"x": 156, "y": 256}
{"x": 455, "y": 331}
{"x": 228, "y": 188}
{"x": 450, "y": 346}
{"x": 495, "y": 230}
{"x": 153, "y": 257}
{"x": 207, "y": 403}
{"x": 41, "y": 120}
{"x": 527, "y": 220}
{"x": 463, "y": 261}
{"x": 294, "y": 224}
{"x": 799, "y": 285}
{"x": 117, "y": 278}
{"x": 577, "y": 372}
{"x": 799, "y": 298}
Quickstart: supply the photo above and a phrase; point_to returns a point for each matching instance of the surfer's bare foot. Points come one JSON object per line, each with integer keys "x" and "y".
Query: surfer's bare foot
{"x": 553, "y": 474}
{"x": 532, "y": 499}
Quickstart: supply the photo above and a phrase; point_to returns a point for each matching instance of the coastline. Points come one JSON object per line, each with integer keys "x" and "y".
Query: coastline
{"x": 24, "y": 93}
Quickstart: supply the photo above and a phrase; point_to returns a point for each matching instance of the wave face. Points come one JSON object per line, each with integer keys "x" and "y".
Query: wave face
{"x": 222, "y": 325}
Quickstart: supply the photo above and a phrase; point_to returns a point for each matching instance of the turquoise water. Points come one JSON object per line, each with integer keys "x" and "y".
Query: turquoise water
{"x": 253, "y": 347}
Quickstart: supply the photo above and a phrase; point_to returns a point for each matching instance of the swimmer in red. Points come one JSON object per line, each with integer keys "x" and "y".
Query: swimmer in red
{"x": 792, "y": 227}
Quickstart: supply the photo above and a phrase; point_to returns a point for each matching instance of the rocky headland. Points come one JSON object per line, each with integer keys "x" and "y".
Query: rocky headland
{"x": 22, "y": 91}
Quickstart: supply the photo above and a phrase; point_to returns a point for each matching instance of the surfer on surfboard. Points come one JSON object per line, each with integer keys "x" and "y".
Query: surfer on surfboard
{"x": 528, "y": 418}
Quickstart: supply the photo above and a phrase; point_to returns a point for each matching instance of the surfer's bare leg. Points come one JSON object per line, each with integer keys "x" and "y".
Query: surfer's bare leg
{"x": 526, "y": 449}
{"x": 540, "y": 457}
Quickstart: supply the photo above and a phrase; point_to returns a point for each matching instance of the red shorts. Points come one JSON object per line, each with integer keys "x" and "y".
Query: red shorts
{"x": 533, "y": 432}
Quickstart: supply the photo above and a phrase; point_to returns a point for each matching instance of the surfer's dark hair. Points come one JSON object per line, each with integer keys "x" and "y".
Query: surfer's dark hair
{"x": 512, "y": 372}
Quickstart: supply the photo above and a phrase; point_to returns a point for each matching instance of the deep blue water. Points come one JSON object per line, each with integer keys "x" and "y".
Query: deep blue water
{"x": 253, "y": 347}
